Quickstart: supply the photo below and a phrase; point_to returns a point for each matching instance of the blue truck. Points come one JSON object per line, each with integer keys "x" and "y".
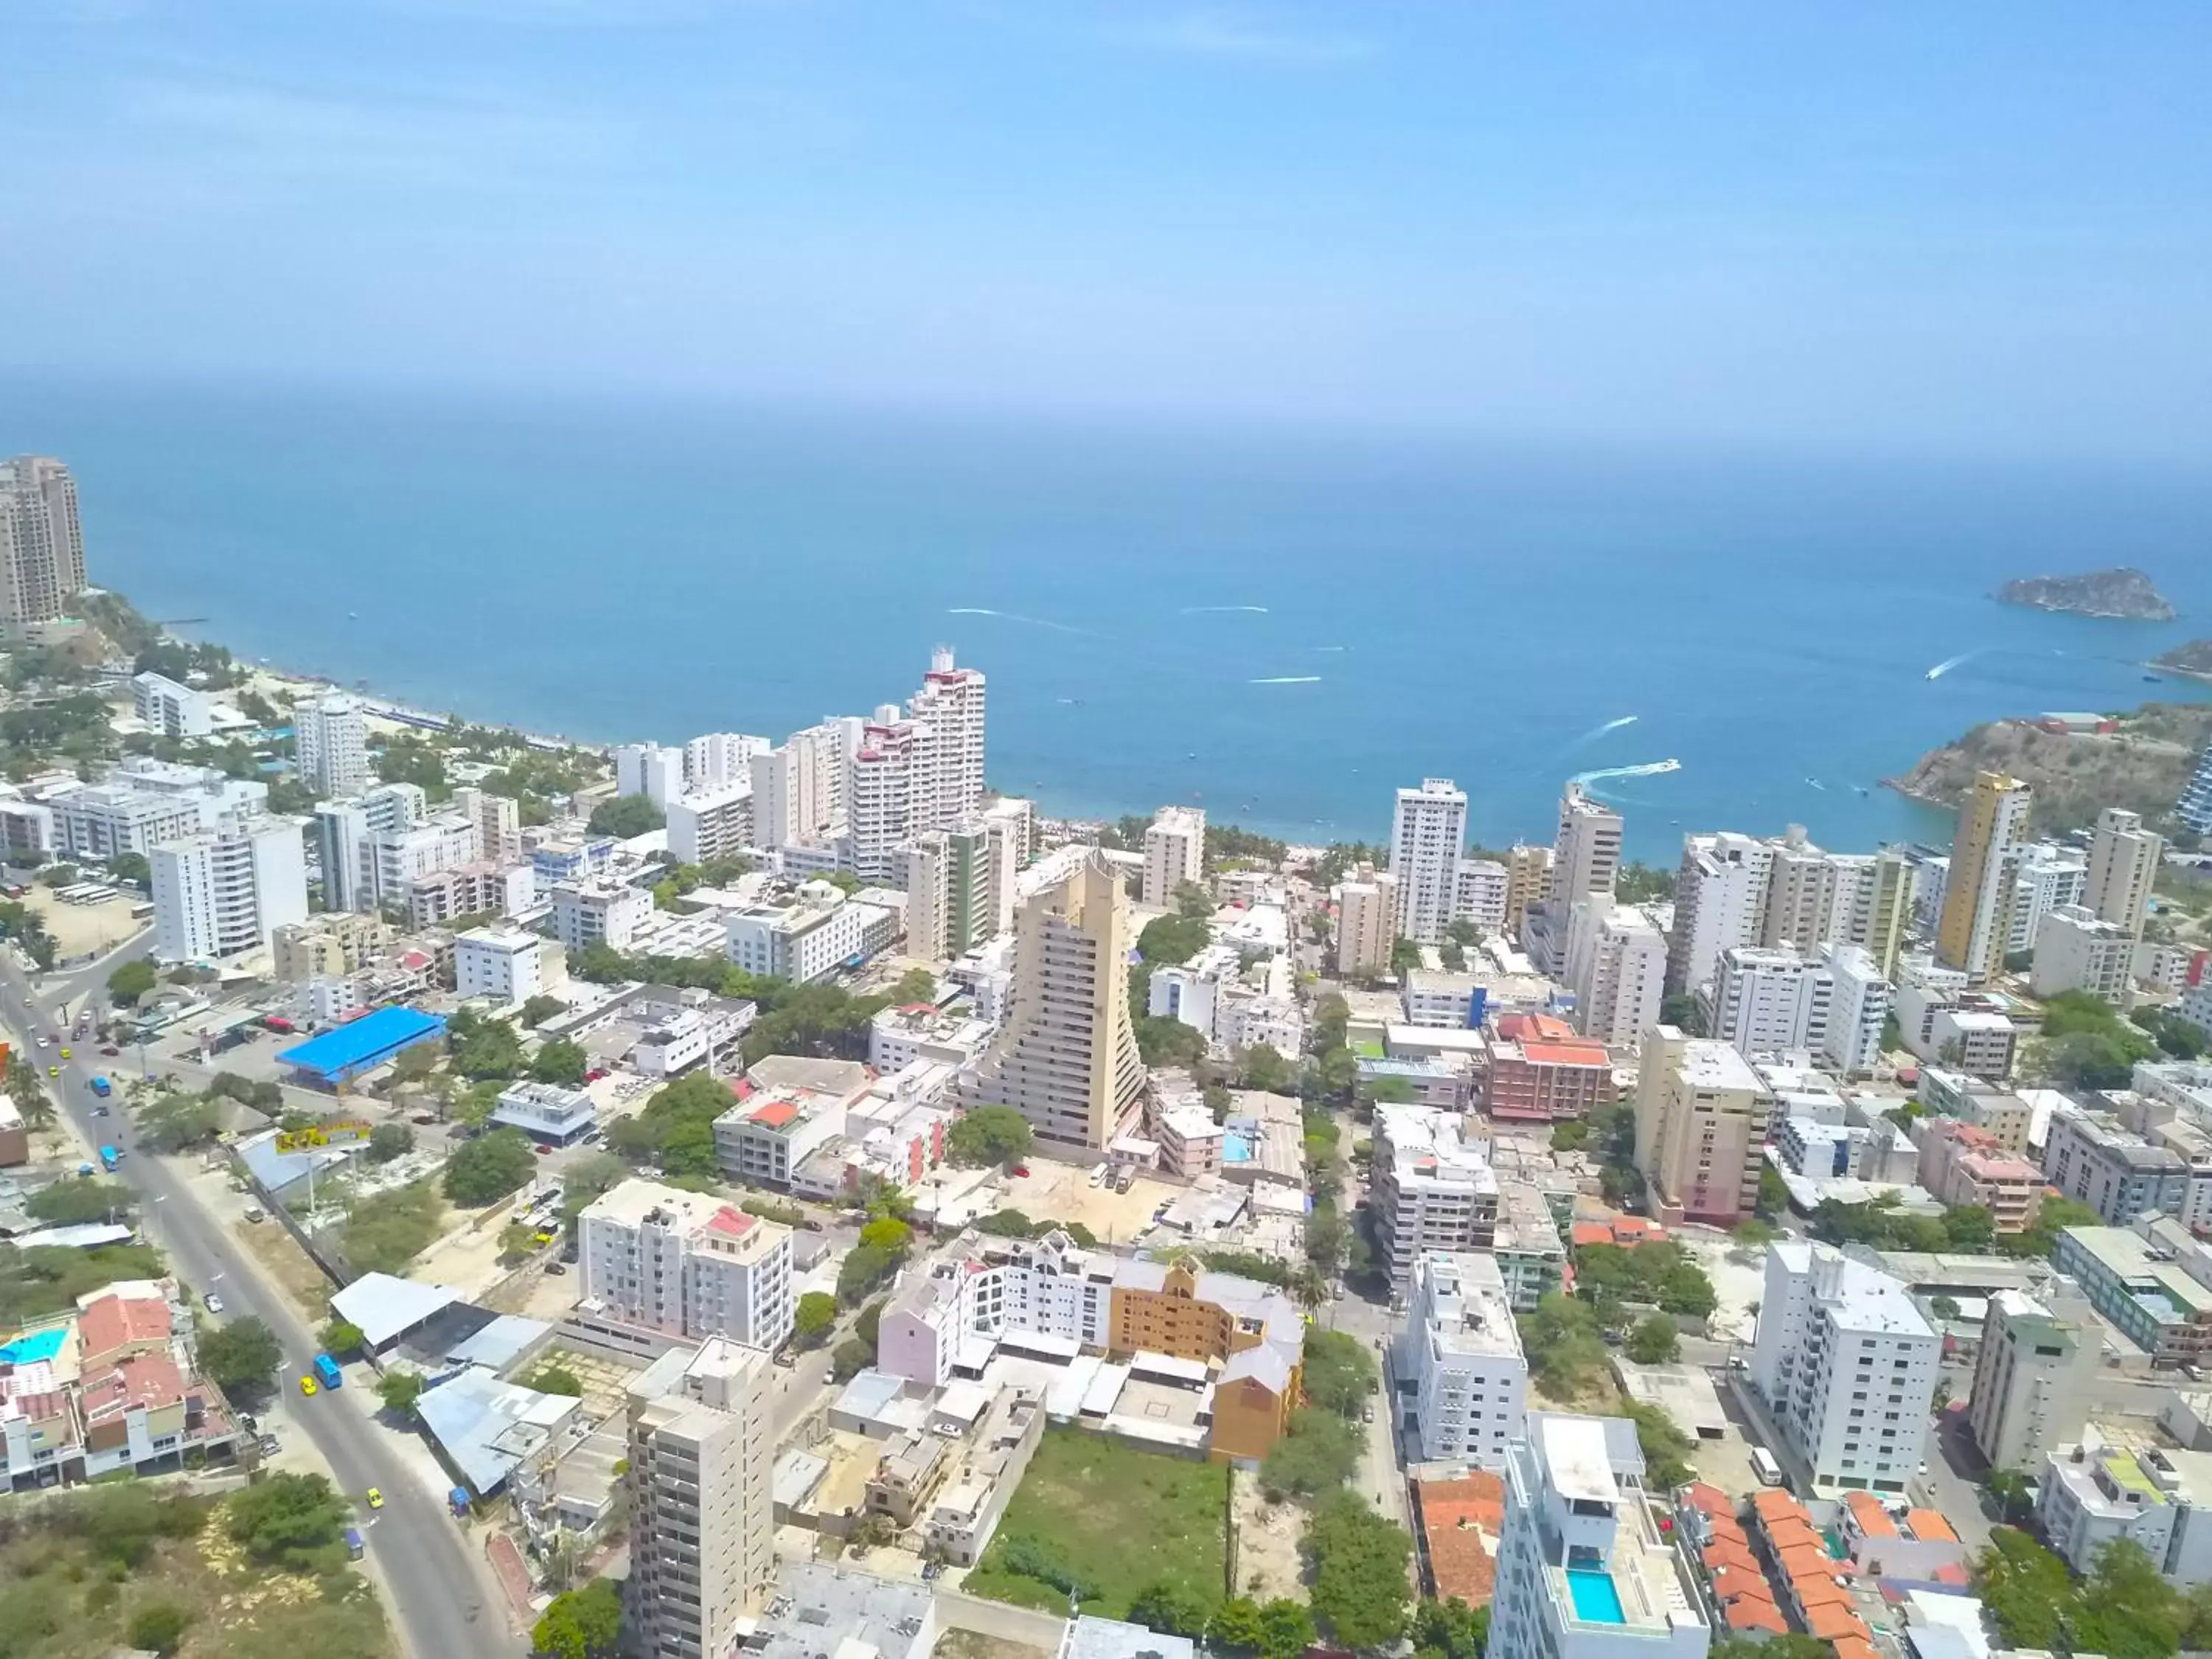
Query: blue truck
{"x": 109, "y": 1157}
{"x": 101, "y": 1087}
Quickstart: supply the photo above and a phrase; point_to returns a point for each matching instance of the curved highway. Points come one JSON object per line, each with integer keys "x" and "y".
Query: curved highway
{"x": 442, "y": 1608}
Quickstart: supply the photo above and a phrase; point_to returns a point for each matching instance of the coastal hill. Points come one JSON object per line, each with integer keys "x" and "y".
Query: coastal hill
{"x": 2194, "y": 660}
{"x": 2124, "y": 594}
{"x": 2140, "y": 766}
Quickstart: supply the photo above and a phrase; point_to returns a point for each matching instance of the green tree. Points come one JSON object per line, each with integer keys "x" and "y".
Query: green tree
{"x": 1286, "y": 1630}
{"x": 1943, "y": 1307}
{"x": 915, "y": 985}
{"x": 580, "y": 1624}
{"x": 864, "y": 1267}
{"x": 1561, "y": 1342}
{"x": 888, "y": 1234}
{"x": 1340, "y": 1371}
{"x": 1264, "y": 1068}
{"x": 990, "y": 1135}
{"x": 539, "y": 1009}
{"x": 389, "y": 1140}
{"x": 1170, "y": 1607}
{"x": 1405, "y": 955}
{"x": 341, "y": 1336}
{"x": 555, "y": 1379}
{"x": 1666, "y": 1447}
{"x": 850, "y": 1358}
{"x": 816, "y": 1318}
{"x": 73, "y": 1203}
{"x": 1168, "y": 940}
{"x": 625, "y": 815}
{"x": 291, "y": 1521}
{"x": 1193, "y": 900}
{"x": 483, "y": 1171}
{"x": 483, "y": 1048}
{"x": 1236, "y": 1624}
{"x": 1358, "y": 1564}
{"x": 399, "y": 1390}
{"x": 1316, "y": 1453}
{"x": 1164, "y": 1042}
{"x": 2025, "y": 1589}
{"x": 131, "y": 867}
{"x": 1655, "y": 1341}
{"x": 243, "y": 1354}
{"x": 159, "y": 1627}
{"x": 1450, "y": 1630}
{"x": 132, "y": 981}
{"x": 562, "y": 1062}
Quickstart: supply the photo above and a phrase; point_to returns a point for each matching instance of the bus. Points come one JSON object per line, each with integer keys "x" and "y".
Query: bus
{"x": 1764, "y": 1466}
{"x": 327, "y": 1373}
{"x": 109, "y": 1157}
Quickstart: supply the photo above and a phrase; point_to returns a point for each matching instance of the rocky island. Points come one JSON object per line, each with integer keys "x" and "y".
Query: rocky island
{"x": 2125, "y": 594}
{"x": 2140, "y": 764}
{"x": 2194, "y": 660}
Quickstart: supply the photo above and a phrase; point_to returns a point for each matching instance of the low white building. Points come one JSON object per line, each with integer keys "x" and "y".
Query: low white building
{"x": 816, "y": 933}
{"x": 682, "y": 1264}
{"x": 686, "y": 1028}
{"x": 2094, "y": 1493}
{"x": 504, "y": 965}
{"x": 585, "y": 913}
{"x": 1434, "y": 1189}
{"x": 546, "y": 1111}
{"x": 172, "y": 709}
{"x": 1462, "y": 1381}
{"x": 2076, "y": 951}
{"x": 899, "y": 1037}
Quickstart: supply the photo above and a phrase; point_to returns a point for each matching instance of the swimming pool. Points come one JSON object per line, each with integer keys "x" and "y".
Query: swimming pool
{"x": 1236, "y": 1149}
{"x": 1596, "y": 1598}
{"x": 37, "y": 1345}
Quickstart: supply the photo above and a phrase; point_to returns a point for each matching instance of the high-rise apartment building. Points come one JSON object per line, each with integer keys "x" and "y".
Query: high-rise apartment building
{"x": 2045, "y": 878}
{"x": 1367, "y": 922}
{"x": 1847, "y": 1366}
{"x": 890, "y": 791}
{"x": 2123, "y": 860}
{"x": 498, "y": 819}
{"x": 946, "y": 875}
{"x": 1428, "y": 833}
{"x": 1586, "y": 857}
{"x": 1978, "y": 897}
{"x": 1720, "y": 895}
{"x": 652, "y": 769}
{"x": 1701, "y": 1121}
{"x": 1584, "y": 1571}
{"x": 1527, "y": 879}
{"x": 1831, "y": 1003}
{"x": 1460, "y": 1351}
{"x": 2039, "y": 1356}
{"x": 2076, "y": 951}
{"x": 678, "y": 1264}
{"x": 721, "y": 760}
{"x": 2194, "y": 804}
{"x": 330, "y": 736}
{"x": 41, "y": 541}
{"x": 1066, "y": 1056}
{"x": 223, "y": 893}
{"x": 1433, "y": 1188}
{"x": 799, "y": 788}
{"x": 702, "y": 1500}
{"x": 1617, "y": 968}
{"x": 1174, "y": 853}
{"x": 951, "y": 702}
{"x": 1480, "y": 893}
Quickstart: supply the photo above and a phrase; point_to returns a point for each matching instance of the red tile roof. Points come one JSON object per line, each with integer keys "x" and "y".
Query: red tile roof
{"x": 1458, "y": 1518}
{"x": 1731, "y": 1582}
{"x": 732, "y": 1221}
{"x": 1703, "y": 1497}
{"x": 1851, "y": 1647}
{"x": 1748, "y": 1614}
{"x": 116, "y": 1320}
{"x": 1927, "y": 1523}
{"x": 1833, "y": 1624}
{"x": 1813, "y": 1591}
{"x": 1805, "y": 1562}
{"x": 1772, "y": 1502}
{"x": 1866, "y": 1511}
{"x": 1626, "y": 1230}
{"x": 776, "y": 1115}
{"x": 139, "y": 1382}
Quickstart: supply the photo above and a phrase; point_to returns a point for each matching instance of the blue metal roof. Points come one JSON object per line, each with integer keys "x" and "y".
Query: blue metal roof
{"x": 362, "y": 1043}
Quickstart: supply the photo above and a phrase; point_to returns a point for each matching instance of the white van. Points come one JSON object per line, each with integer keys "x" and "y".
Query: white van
{"x": 1764, "y": 1466}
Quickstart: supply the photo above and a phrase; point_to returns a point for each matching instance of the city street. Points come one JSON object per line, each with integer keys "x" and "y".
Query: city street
{"x": 441, "y": 1605}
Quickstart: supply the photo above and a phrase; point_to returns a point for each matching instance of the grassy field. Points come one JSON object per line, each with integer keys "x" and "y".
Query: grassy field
{"x": 79, "y": 1573}
{"x": 1115, "y": 1519}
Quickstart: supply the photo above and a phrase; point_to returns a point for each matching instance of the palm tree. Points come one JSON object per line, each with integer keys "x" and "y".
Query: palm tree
{"x": 1311, "y": 1285}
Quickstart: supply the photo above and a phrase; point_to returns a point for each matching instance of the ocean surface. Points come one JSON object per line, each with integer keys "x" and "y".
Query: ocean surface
{"x": 1282, "y": 627}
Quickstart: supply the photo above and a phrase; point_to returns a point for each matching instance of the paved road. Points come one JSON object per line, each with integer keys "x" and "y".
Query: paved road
{"x": 443, "y": 1610}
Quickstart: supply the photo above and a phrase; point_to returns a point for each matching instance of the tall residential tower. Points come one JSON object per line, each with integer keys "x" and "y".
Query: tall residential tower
{"x": 1427, "y": 835}
{"x": 1978, "y": 899}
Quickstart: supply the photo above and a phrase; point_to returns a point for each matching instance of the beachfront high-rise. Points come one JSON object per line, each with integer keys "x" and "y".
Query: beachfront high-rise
{"x": 41, "y": 541}
{"x": 1067, "y": 1057}
{"x": 799, "y": 788}
{"x": 1175, "y": 853}
{"x": 330, "y": 732}
{"x": 1978, "y": 898}
{"x": 223, "y": 893}
{"x": 2124, "y": 861}
{"x": 1720, "y": 894}
{"x": 1584, "y": 1571}
{"x": 951, "y": 701}
{"x": 1586, "y": 857}
{"x": 1427, "y": 835}
{"x": 701, "y": 1508}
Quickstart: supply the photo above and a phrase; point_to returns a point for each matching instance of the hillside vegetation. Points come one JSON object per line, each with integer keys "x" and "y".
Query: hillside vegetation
{"x": 2141, "y": 766}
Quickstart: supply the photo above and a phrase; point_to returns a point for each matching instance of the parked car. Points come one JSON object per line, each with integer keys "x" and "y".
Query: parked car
{"x": 268, "y": 1443}
{"x": 212, "y": 1303}
{"x": 544, "y": 1151}
{"x": 555, "y": 1269}
{"x": 111, "y": 1051}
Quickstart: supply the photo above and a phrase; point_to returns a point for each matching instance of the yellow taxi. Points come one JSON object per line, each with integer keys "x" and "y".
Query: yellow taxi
{"x": 65, "y": 1053}
{"x": 375, "y": 1498}
{"x": 53, "y": 1071}
{"x": 307, "y": 1385}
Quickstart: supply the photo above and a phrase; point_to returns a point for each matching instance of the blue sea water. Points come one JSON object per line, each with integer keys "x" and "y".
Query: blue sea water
{"x": 1282, "y": 626}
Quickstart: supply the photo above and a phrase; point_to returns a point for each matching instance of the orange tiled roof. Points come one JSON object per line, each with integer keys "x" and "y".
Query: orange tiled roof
{"x": 1927, "y": 1523}
{"x": 1774, "y": 1502}
{"x": 1748, "y": 1614}
{"x": 115, "y": 1321}
{"x": 1727, "y": 1527}
{"x": 1851, "y": 1647}
{"x": 1834, "y": 1623}
{"x": 1867, "y": 1510}
{"x": 1789, "y": 1535}
{"x": 732, "y": 1221}
{"x": 1458, "y": 1518}
{"x": 774, "y": 1115}
{"x": 1703, "y": 1496}
{"x": 1732, "y": 1584}
{"x": 1804, "y": 1561}
{"x": 1813, "y": 1591}
{"x": 1728, "y": 1554}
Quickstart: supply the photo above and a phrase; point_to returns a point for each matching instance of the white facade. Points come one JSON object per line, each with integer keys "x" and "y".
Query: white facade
{"x": 952, "y": 701}
{"x": 710, "y": 824}
{"x": 2075, "y": 951}
{"x": 721, "y": 760}
{"x": 498, "y": 819}
{"x": 2045, "y": 878}
{"x": 331, "y": 738}
{"x": 2031, "y": 1376}
{"x": 801, "y": 941}
{"x": 345, "y": 834}
{"x": 1859, "y": 1009}
{"x": 394, "y": 861}
{"x": 1434, "y": 1187}
{"x": 1617, "y": 968}
{"x": 1479, "y": 894}
{"x": 1428, "y": 834}
{"x": 650, "y": 770}
{"x": 1174, "y": 853}
{"x": 799, "y": 788}
{"x": 97, "y": 822}
{"x": 223, "y": 895}
{"x": 502, "y": 963}
{"x": 1577, "y": 1512}
{"x": 686, "y": 1265}
{"x": 1767, "y": 1000}
{"x": 1586, "y": 857}
{"x": 545, "y": 1110}
{"x": 1461, "y": 1352}
{"x": 585, "y": 913}
{"x": 1720, "y": 893}
{"x": 2123, "y": 860}
{"x": 41, "y": 540}
{"x": 1847, "y": 1366}
{"x": 890, "y": 788}
{"x": 173, "y": 710}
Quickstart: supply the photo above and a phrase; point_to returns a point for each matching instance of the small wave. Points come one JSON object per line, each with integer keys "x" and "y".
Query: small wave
{"x": 1288, "y": 679}
{"x": 1016, "y": 616}
{"x": 1206, "y": 610}
{"x": 1649, "y": 769}
{"x": 1331, "y": 648}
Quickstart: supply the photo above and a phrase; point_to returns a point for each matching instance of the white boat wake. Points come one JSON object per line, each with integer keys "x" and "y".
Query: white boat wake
{"x": 1649, "y": 769}
{"x": 1207, "y": 609}
{"x": 1948, "y": 664}
{"x": 1288, "y": 679}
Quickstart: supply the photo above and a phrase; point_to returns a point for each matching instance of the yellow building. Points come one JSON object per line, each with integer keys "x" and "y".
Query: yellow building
{"x": 1977, "y": 895}
{"x": 1254, "y": 1332}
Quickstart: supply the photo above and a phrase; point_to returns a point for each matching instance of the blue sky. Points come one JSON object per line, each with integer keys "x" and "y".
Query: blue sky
{"x": 1957, "y": 227}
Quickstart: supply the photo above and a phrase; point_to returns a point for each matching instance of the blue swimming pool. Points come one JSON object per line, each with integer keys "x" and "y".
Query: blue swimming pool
{"x": 1597, "y": 1599}
{"x": 37, "y": 1345}
{"x": 1236, "y": 1149}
